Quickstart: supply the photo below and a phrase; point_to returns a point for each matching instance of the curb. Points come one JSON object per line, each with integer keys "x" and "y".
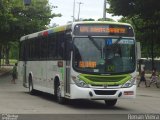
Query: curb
{"x": 5, "y": 73}
{"x": 5, "y": 70}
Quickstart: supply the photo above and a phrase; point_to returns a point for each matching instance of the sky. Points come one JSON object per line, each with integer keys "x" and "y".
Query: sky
{"x": 89, "y": 9}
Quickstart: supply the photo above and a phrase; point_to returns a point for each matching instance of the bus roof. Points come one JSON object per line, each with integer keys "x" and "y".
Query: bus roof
{"x": 45, "y": 32}
{"x": 65, "y": 27}
{"x": 101, "y": 22}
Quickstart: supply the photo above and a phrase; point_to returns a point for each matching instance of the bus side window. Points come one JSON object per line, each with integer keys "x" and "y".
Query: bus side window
{"x": 68, "y": 47}
{"x": 43, "y": 48}
{"x": 51, "y": 47}
{"x": 60, "y": 46}
{"x": 37, "y": 48}
{"x": 40, "y": 47}
{"x": 28, "y": 51}
{"x": 33, "y": 44}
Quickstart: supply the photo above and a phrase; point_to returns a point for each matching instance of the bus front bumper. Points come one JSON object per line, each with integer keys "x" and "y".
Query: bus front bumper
{"x": 101, "y": 93}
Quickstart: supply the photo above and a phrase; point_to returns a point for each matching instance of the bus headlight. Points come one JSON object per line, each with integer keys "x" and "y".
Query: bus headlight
{"x": 79, "y": 82}
{"x": 129, "y": 83}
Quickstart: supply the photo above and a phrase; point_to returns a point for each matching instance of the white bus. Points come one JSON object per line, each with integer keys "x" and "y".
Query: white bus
{"x": 83, "y": 60}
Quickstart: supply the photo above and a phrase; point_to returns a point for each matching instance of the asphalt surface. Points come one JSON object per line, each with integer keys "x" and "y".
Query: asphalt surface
{"x": 15, "y": 99}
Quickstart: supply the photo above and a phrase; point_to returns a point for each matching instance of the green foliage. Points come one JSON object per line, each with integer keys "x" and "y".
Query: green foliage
{"x": 32, "y": 18}
{"x": 13, "y": 61}
{"x": 17, "y": 20}
{"x": 14, "y": 50}
{"x": 144, "y": 15}
{"x": 106, "y": 19}
{"x": 90, "y": 19}
{"x": 146, "y": 9}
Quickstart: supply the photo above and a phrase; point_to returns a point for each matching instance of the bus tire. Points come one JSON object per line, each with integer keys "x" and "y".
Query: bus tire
{"x": 30, "y": 82}
{"x": 60, "y": 99}
{"x": 110, "y": 102}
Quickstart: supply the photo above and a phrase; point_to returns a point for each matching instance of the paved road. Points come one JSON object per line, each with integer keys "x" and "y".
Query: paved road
{"x": 15, "y": 99}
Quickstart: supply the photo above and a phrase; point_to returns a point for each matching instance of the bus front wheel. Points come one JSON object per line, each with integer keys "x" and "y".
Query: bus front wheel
{"x": 110, "y": 103}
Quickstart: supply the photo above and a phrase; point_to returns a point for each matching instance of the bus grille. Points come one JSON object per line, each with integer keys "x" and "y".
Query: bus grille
{"x": 105, "y": 79}
{"x": 105, "y": 92}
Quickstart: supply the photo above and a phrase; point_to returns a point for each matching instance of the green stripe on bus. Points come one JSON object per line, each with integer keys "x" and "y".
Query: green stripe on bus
{"x": 105, "y": 80}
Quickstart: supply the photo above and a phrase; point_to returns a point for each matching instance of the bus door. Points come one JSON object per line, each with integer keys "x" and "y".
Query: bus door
{"x": 68, "y": 65}
{"x": 67, "y": 82}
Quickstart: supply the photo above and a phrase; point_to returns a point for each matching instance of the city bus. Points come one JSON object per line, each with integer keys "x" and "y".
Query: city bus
{"x": 82, "y": 60}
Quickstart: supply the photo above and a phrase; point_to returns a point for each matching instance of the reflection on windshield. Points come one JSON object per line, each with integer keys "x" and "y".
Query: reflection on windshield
{"x": 104, "y": 55}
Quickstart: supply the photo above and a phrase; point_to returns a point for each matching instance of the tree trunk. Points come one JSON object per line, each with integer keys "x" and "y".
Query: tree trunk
{"x": 7, "y": 54}
{"x": 0, "y": 55}
{"x": 152, "y": 52}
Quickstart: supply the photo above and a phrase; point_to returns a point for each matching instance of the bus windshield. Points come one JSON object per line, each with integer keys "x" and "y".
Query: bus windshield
{"x": 102, "y": 55}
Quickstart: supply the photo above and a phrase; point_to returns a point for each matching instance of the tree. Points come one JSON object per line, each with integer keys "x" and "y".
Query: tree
{"x": 145, "y": 17}
{"x": 18, "y": 20}
{"x": 5, "y": 16}
{"x": 90, "y": 19}
{"x": 146, "y": 9}
{"x": 106, "y": 19}
{"x": 32, "y": 18}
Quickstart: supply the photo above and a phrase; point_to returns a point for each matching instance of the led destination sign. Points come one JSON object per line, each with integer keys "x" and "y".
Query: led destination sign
{"x": 103, "y": 30}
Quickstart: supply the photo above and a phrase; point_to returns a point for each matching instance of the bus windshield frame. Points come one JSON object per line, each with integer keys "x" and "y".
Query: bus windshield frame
{"x": 91, "y": 56}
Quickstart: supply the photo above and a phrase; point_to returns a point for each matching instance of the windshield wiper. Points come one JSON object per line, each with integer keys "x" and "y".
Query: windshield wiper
{"x": 117, "y": 40}
{"x": 93, "y": 41}
{"x": 100, "y": 48}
